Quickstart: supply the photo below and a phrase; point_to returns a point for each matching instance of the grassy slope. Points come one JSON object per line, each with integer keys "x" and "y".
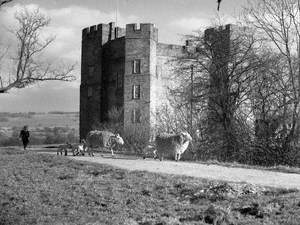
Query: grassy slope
{"x": 47, "y": 189}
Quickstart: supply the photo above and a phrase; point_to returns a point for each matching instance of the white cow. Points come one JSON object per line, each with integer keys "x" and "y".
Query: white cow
{"x": 104, "y": 139}
{"x": 172, "y": 144}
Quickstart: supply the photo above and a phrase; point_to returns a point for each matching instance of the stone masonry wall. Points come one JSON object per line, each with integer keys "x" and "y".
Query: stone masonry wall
{"x": 140, "y": 44}
{"x": 107, "y": 56}
{"x": 93, "y": 71}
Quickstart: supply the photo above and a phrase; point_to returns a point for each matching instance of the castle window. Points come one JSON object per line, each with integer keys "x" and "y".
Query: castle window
{"x": 136, "y": 66}
{"x": 136, "y": 116}
{"x": 91, "y": 71}
{"x": 138, "y": 26}
{"x": 136, "y": 91}
{"x": 90, "y": 92}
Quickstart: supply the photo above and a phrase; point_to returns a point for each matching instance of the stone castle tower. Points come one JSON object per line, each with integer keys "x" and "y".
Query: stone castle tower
{"x": 123, "y": 68}
{"x": 224, "y": 45}
{"x": 219, "y": 41}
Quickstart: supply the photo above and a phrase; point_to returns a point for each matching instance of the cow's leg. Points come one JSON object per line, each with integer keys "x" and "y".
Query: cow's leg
{"x": 161, "y": 157}
{"x": 64, "y": 151}
{"x": 112, "y": 152}
{"x": 91, "y": 152}
{"x": 74, "y": 151}
{"x": 155, "y": 154}
{"x": 179, "y": 156}
{"x": 88, "y": 150}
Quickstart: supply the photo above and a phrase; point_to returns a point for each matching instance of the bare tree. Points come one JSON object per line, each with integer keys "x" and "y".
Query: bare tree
{"x": 224, "y": 60}
{"x": 3, "y": 2}
{"x": 278, "y": 22}
{"x": 28, "y": 65}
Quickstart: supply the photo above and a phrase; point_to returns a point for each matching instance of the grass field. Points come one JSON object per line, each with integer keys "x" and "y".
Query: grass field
{"x": 48, "y": 189}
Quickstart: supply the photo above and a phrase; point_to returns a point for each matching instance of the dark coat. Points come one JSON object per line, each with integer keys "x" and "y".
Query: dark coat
{"x": 24, "y": 134}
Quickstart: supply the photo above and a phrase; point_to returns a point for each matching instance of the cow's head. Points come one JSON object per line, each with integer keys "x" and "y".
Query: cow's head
{"x": 185, "y": 136}
{"x": 119, "y": 140}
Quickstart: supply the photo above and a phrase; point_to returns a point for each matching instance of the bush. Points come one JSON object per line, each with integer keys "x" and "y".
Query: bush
{"x": 58, "y": 135}
{"x": 135, "y": 140}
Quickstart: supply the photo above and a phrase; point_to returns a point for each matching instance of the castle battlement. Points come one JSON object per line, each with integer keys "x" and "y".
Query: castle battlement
{"x": 94, "y": 31}
{"x": 106, "y": 31}
{"x": 134, "y": 30}
{"x": 219, "y": 28}
{"x": 143, "y": 30}
{"x": 122, "y": 67}
{"x": 139, "y": 27}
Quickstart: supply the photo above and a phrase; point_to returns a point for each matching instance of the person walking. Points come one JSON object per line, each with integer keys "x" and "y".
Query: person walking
{"x": 24, "y": 135}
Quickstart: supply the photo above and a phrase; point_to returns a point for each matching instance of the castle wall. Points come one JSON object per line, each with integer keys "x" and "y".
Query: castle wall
{"x": 163, "y": 81}
{"x": 113, "y": 76}
{"x": 91, "y": 75}
{"x": 93, "y": 71}
{"x": 220, "y": 114}
{"x": 170, "y": 50}
{"x": 107, "y": 76}
{"x": 140, "y": 44}
{"x": 219, "y": 39}
{"x": 167, "y": 54}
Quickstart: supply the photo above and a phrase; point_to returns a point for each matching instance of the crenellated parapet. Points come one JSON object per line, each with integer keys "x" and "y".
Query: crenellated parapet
{"x": 143, "y": 30}
{"x": 108, "y": 32}
{"x": 218, "y": 29}
{"x": 218, "y": 34}
{"x": 103, "y": 32}
{"x": 95, "y": 30}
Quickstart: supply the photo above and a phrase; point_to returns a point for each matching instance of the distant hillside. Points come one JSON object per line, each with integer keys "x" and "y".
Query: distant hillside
{"x": 32, "y": 119}
{"x": 45, "y": 128}
{"x": 62, "y": 112}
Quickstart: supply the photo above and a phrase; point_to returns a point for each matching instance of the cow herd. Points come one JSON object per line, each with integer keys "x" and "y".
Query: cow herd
{"x": 166, "y": 145}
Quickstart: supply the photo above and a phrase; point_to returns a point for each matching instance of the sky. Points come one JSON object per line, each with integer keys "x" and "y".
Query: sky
{"x": 173, "y": 18}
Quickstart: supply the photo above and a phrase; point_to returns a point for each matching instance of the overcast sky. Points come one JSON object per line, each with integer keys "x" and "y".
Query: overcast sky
{"x": 173, "y": 18}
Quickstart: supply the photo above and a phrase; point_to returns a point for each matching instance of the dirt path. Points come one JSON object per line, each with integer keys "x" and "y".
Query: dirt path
{"x": 259, "y": 177}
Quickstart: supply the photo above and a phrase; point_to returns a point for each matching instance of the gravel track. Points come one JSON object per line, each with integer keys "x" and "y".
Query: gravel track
{"x": 253, "y": 176}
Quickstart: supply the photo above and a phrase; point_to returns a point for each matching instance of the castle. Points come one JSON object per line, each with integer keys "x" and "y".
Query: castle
{"x": 127, "y": 69}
